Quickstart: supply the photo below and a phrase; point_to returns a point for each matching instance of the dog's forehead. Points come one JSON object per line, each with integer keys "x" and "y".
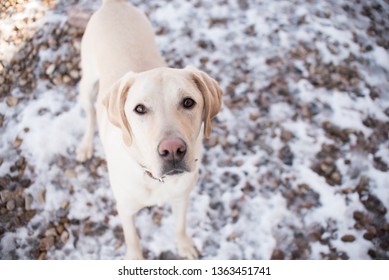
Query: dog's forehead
{"x": 161, "y": 80}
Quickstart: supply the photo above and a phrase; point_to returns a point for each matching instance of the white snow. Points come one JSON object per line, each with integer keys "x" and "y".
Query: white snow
{"x": 51, "y": 126}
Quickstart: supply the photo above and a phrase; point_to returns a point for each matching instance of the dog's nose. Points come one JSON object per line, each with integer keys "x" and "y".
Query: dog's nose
{"x": 172, "y": 149}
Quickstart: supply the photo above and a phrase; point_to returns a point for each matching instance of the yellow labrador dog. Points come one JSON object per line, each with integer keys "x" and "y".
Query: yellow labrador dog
{"x": 151, "y": 118}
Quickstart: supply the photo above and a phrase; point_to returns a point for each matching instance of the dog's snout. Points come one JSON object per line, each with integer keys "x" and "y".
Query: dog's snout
{"x": 172, "y": 149}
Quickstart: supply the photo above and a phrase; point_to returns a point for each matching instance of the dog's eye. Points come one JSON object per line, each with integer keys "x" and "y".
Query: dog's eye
{"x": 188, "y": 103}
{"x": 140, "y": 109}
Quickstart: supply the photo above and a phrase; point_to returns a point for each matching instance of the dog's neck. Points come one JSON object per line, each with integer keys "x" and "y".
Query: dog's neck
{"x": 148, "y": 172}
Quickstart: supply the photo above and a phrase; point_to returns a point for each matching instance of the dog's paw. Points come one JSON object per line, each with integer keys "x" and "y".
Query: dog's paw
{"x": 84, "y": 152}
{"x": 134, "y": 255}
{"x": 186, "y": 248}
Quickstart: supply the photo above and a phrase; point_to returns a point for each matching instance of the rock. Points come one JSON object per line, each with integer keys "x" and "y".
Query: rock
{"x": 5, "y": 196}
{"x": 11, "y": 205}
{"x": 42, "y": 196}
{"x": 74, "y": 74}
{"x": 78, "y": 18}
{"x": 28, "y": 201}
{"x": 12, "y": 101}
{"x": 278, "y": 255}
{"x": 348, "y": 238}
{"x": 371, "y": 233}
{"x": 286, "y": 155}
{"x": 60, "y": 228}
{"x": 50, "y": 69}
{"x": 254, "y": 116}
{"x": 286, "y": 135}
{"x": 61, "y": 213}
{"x": 269, "y": 150}
{"x": 233, "y": 236}
{"x": 157, "y": 217}
{"x": 51, "y": 232}
{"x": 358, "y": 215}
{"x": 46, "y": 243}
{"x": 17, "y": 143}
{"x": 65, "y": 204}
{"x": 64, "y": 237}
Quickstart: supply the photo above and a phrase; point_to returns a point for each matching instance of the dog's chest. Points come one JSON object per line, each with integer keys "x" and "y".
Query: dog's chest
{"x": 158, "y": 193}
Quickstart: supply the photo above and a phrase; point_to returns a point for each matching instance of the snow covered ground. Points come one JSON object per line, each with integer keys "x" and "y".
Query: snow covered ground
{"x": 297, "y": 164}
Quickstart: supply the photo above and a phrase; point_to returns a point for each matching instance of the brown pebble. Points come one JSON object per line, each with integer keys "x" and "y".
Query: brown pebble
{"x": 358, "y": 215}
{"x": 46, "y": 243}
{"x": 348, "y": 238}
{"x": 70, "y": 173}
{"x": 60, "y": 229}
{"x": 233, "y": 236}
{"x": 64, "y": 237}
{"x": 12, "y": 101}
{"x": 5, "y": 196}
{"x": 11, "y": 205}
{"x": 286, "y": 135}
{"x": 50, "y": 232}
{"x": 278, "y": 255}
{"x": 18, "y": 141}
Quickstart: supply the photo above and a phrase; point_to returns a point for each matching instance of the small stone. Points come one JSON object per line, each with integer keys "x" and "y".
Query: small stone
{"x": 70, "y": 173}
{"x": 11, "y": 205}
{"x": 5, "y": 196}
{"x": 60, "y": 228}
{"x": 28, "y": 201}
{"x": 277, "y": 255}
{"x": 46, "y": 243}
{"x": 25, "y": 183}
{"x": 269, "y": 150}
{"x": 348, "y": 238}
{"x": 51, "y": 232}
{"x": 61, "y": 213}
{"x": 233, "y": 236}
{"x": 358, "y": 215}
{"x": 12, "y": 101}
{"x": 254, "y": 117}
{"x": 64, "y": 237}
{"x": 66, "y": 79}
{"x": 42, "y": 196}
{"x": 17, "y": 143}
{"x": 19, "y": 200}
{"x": 50, "y": 69}
{"x": 65, "y": 204}
{"x": 74, "y": 74}
{"x": 286, "y": 155}
{"x": 371, "y": 233}
{"x": 28, "y": 215}
{"x": 286, "y": 135}
{"x": 157, "y": 217}
{"x": 336, "y": 178}
{"x": 42, "y": 256}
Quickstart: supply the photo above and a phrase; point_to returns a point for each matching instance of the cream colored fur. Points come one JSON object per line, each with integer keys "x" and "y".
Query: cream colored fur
{"x": 122, "y": 68}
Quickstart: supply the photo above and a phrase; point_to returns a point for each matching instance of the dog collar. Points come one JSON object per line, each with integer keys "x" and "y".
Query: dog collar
{"x": 148, "y": 172}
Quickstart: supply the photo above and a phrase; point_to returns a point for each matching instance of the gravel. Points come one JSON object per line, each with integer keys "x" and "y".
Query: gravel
{"x": 258, "y": 147}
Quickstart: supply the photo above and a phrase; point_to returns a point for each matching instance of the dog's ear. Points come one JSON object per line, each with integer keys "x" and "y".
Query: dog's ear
{"x": 114, "y": 101}
{"x": 212, "y": 95}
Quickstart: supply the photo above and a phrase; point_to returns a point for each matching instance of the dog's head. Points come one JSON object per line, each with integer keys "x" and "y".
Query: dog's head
{"x": 161, "y": 113}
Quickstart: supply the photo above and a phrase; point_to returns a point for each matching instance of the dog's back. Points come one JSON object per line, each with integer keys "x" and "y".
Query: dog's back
{"x": 119, "y": 39}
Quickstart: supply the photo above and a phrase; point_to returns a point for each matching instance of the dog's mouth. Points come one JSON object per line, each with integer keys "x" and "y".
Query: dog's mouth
{"x": 172, "y": 172}
{"x": 175, "y": 172}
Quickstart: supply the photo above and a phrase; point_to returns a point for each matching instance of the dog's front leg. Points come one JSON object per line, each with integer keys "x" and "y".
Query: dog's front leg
{"x": 134, "y": 249}
{"x": 185, "y": 245}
